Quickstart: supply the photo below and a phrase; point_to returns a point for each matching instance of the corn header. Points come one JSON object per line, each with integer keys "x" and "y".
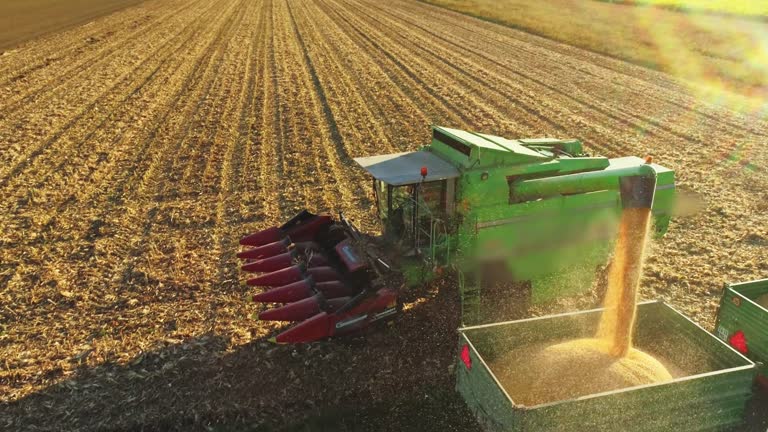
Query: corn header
{"x": 531, "y": 213}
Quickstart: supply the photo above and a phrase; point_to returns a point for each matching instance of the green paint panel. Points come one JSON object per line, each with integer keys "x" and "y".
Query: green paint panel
{"x": 739, "y": 312}
{"x": 712, "y": 395}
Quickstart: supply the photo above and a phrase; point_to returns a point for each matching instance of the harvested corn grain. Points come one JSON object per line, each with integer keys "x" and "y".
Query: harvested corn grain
{"x": 572, "y": 369}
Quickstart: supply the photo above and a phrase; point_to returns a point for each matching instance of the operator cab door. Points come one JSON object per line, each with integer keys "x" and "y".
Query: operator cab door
{"x": 410, "y": 213}
{"x": 413, "y": 189}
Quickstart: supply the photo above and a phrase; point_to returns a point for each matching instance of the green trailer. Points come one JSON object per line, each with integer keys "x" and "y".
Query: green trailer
{"x": 743, "y": 323}
{"x": 711, "y": 387}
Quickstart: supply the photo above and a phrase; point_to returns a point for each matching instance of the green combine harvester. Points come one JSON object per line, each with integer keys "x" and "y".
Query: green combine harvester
{"x": 537, "y": 217}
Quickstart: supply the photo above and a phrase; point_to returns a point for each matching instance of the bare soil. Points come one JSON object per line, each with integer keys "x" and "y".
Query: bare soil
{"x": 21, "y": 20}
{"x": 137, "y": 149}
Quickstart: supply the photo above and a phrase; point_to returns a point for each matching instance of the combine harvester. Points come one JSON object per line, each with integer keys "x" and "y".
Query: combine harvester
{"x": 532, "y": 212}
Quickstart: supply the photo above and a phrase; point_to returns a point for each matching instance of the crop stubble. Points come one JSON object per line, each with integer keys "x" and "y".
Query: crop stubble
{"x": 137, "y": 149}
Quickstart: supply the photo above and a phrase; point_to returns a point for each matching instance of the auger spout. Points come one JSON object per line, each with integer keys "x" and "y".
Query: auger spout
{"x": 546, "y": 187}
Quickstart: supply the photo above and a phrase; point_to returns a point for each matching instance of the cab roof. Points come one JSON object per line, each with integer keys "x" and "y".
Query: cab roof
{"x": 405, "y": 168}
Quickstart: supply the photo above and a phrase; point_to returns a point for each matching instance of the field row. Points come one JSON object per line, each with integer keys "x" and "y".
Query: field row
{"x": 138, "y": 149}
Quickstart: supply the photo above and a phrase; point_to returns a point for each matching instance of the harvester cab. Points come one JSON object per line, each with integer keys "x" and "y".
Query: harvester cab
{"x": 415, "y": 198}
{"x": 532, "y": 213}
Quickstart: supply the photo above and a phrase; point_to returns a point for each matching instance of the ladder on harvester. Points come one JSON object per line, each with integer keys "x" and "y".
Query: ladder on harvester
{"x": 469, "y": 289}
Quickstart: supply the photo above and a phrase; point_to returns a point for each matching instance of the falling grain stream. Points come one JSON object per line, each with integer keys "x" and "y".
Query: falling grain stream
{"x": 574, "y": 368}
{"x": 620, "y": 302}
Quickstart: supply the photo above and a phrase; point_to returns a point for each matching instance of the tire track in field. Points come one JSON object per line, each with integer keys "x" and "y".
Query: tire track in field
{"x": 304, "y": 176}
{"x": 406, "y": 78}
{"x": 309, "y": 132}
{"x": 421, "y": 73}
{"x": 191, "y": 162}
{"x": 330, "y": 148}
{"x": 402, "y": 78}
{"x": 354, "y": 109}
{"x": 146, "y": 253}
{"x": 349, "y": 195}
{"x": 284, "y": 147}
{"x": 406, "y": 108}
{"x": 350, "y": 120}
{"x": 377, "y": 93}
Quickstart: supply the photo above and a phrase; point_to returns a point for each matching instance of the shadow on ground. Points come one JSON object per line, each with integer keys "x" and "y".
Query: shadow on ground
{"x": 398, "y": 377}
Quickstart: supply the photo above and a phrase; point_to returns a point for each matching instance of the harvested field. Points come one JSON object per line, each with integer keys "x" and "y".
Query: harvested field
{"x": 720, "y": 55}
{"x": 21, "y": 20}
{"x": 138, "y": 149}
